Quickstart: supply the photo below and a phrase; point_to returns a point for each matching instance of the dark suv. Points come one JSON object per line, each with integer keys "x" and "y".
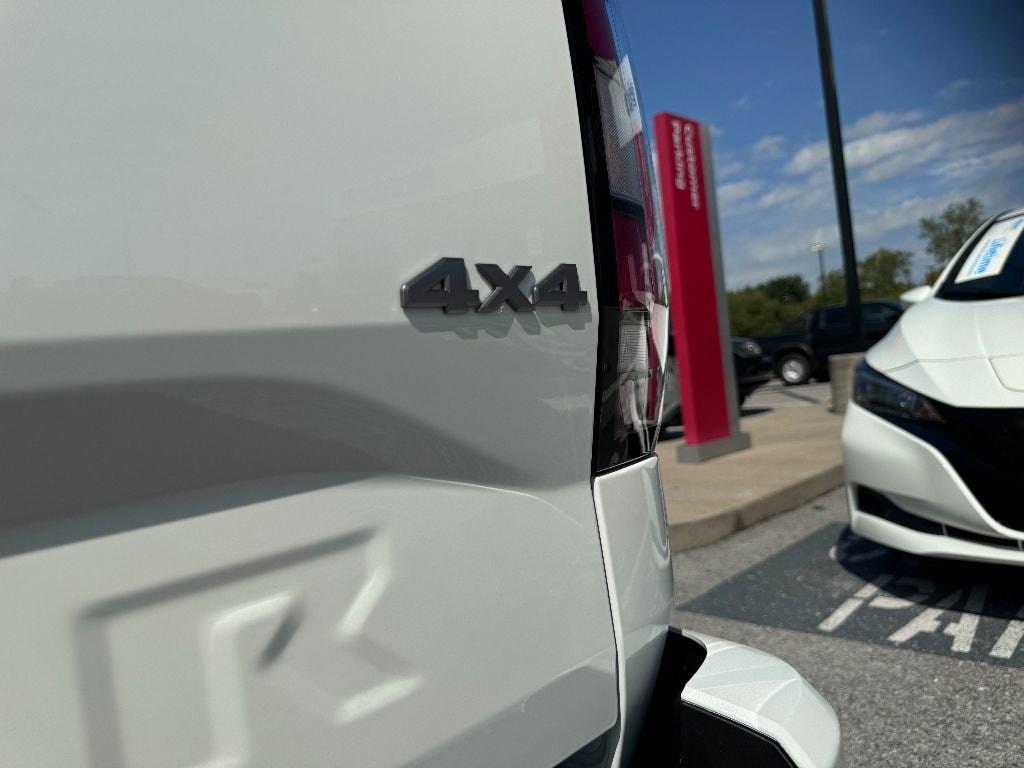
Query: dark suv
{"x": 751, "y": 367}
{"x": 803, "y": 347}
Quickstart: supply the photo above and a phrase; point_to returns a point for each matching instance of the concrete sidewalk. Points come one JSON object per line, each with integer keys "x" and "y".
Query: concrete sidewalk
{"x": 794, "y": 458}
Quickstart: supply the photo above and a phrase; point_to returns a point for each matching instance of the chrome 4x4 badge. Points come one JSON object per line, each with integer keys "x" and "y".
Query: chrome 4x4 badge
{"x": 445, "y": 285}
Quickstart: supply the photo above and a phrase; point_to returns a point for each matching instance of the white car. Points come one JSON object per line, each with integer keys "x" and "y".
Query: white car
{"x": 330, "y": 376}
{"x": 933, "y": 440}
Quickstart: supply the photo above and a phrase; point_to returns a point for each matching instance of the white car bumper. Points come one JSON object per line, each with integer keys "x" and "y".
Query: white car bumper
{"x": 924, "y": 508}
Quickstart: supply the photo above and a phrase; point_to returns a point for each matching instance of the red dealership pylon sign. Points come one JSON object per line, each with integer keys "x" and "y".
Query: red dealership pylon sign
{"x": 700, "y": 314}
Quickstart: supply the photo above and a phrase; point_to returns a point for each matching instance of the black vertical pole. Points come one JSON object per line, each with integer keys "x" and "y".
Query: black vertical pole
{"x": 835, "y": 142}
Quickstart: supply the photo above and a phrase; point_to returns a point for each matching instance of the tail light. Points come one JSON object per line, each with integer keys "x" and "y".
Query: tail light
{"x": 632, "y": 297}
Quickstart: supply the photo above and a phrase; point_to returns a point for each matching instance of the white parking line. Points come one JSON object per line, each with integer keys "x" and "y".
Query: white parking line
{"x": 848, "y": 608}
{"x": 1007, "y": 643}
{"x": 962, "y": 630}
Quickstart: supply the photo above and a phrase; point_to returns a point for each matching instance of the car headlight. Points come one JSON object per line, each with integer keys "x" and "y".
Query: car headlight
{"x": 747, "y": 348}
{"x": 882, "y": 395}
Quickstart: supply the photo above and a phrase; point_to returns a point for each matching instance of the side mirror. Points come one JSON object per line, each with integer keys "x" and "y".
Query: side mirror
{"x": 915, "y": 295}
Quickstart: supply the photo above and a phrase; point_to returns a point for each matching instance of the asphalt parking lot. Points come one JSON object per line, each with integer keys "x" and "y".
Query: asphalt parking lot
{"x": 775, "y": 394}
{"x": 771, "y": 396}
{"x": 923, "y": 660}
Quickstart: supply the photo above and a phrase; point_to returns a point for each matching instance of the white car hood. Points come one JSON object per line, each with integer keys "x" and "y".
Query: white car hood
{"x": 965, "y": 353}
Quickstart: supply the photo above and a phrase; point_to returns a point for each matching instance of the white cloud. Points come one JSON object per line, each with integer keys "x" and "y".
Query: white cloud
{"x": 743, "y": 102}
{"x": 755, "y": 256}
{"x": 808, "y": 158}
{"x": 871, "y": 223}
{"x": 955, "y": 87}
{"x": 768, "y": 148}
{"x": 727, "y": 169}
{"x": 1006, "y": 159}
{"x": 896, "y": 164}
{"x": 887, "y": 153}
{"x": 783, "y": 193}
{"x": 881, "y": 121}
{"x": 735, "y": 191}
{"x": 751, "y": 258}
{"x": 903, "y": 165}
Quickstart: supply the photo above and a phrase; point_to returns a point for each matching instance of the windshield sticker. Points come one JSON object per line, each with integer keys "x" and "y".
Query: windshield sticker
{"x": 989, "y": 256}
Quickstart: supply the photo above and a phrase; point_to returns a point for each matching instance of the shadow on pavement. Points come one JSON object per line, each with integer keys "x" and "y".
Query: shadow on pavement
{"x": 834, "y": 582}
{"x": 929, "y": 581}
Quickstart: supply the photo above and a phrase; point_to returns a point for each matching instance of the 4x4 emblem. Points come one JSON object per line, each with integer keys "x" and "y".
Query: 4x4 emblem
{"x": 445, "y": 285}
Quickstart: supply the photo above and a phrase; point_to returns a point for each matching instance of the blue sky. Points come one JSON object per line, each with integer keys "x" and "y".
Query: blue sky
{"x": 931, "y": 95}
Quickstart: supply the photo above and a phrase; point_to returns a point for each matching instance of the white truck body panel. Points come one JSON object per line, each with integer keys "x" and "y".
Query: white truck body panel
{"x": 631, "y": 514}
{"x": 254, "y": 513}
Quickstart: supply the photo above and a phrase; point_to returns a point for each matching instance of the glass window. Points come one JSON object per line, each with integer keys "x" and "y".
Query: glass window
{"x": 880, "y": 314}
{"x": 835, "y": 317}
{"x": 993, "y": 268}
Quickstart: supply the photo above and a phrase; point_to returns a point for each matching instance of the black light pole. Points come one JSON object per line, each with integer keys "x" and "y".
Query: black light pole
{"x": 835, "y": 142}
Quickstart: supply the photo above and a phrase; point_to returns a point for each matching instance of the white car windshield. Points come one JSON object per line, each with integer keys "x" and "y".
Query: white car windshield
{"x": 993, "y": 267}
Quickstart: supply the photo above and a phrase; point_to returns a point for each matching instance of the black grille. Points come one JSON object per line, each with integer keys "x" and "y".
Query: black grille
{"x": 871, "y": 502}
{"x": 978, "y": 538}
{"x": 874, "y": 503}
{"x": 986, "y": 447}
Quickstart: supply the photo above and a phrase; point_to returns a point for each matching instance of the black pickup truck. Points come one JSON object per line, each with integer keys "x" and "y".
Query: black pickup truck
{"x": 803, "y": 347}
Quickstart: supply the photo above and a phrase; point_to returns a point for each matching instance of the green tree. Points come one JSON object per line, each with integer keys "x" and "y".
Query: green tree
{"x": 787, "y": 289}
{"x": 945, "y": 233}
{"x": 885, "y": 274}
{"x": 765, "y": 308}
{"x": 834, "y": 289}
{"x": 752, "y": 313}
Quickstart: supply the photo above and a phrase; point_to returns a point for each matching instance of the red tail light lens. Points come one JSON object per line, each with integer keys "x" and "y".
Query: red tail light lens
{"x": 632, "y": 297}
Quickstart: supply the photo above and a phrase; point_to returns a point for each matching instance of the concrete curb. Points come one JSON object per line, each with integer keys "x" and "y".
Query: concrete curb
{"x": 706, "y": 530}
